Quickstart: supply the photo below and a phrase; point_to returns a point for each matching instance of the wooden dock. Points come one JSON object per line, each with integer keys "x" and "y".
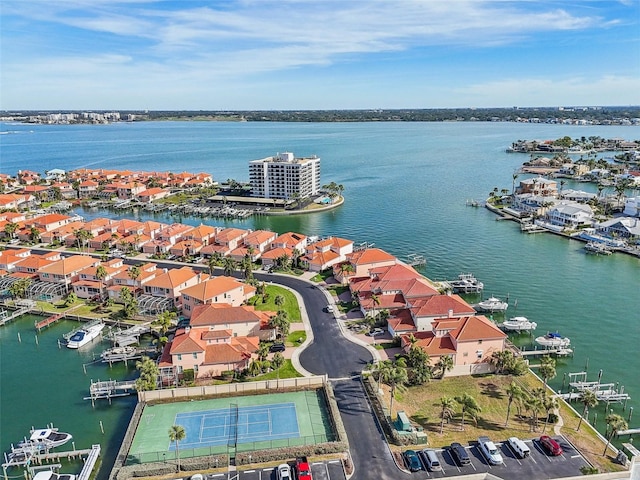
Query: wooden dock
{"x": 48, "y": 321}
{"x": 110, "y": 389}
{"x": 6, "y": 316}
{"x": 561, "y": 352}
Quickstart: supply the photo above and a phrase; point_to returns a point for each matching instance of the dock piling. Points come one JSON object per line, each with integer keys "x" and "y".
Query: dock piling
{"x": 101, "y": 427}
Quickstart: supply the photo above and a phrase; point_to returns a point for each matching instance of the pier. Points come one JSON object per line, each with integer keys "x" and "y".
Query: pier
{"x": 123, "y": 338}
{"x": 110, "y": 389}
{"x": 70, "y": 334}
{"x": 605, "y": 392}
{"x": 560, "y": 352}
{"x": 416, "y": 260}
{"x": 24, "y": 306}
{"x": 48, "y": 321}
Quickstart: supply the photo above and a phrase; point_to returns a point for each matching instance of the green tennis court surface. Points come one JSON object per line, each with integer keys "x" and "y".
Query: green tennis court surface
{"x": 246, "y": 423}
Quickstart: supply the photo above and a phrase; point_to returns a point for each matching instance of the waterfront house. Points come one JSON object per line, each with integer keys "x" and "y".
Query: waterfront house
{"x": 225, "y": 290}
{"x": 66, "y": 270}
{"x": 11, "y": 257}
{"x": 88, "y": 189}
{"x": 469, "y": 340}
{"x": 240, "y": 321}
{"x": 360, "y": 262}
{"x": 127, "y": 278}
{"x": 203, "y": 234}
{"x": 632, "y": 207}
{"x": 16, "y": 201}
{"x": 173, "y": 233}
{"x": 626, "y": 228}
{"x": 51, "y": 221}
{"x": 225, "y": 242}
{"x": 207, "y": 353}
{"x": 170, "y": 283}
{"x": 29, "y": 266}
{"x": 260, "y": 241}
{"x": 325, "y": 253}
{"x": 570, "y": 214}
{"x": 89, "y": 286}
{"x": 129, "y": 190}
{"x": 538, "y": 186}
{"x": 152, "y": 194}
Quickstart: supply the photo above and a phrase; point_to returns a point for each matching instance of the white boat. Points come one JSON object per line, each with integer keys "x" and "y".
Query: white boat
{"x": 518, "y": 324}
{"x": 466, "y": 283}
{"x": 85, "y": 335}
{"x": 598, "y": 248}
{"x": 46, "y": 438}
{"x": 49, "y": 475}
{"x": 119, "y": 354}
{"x": 553, "y": 340}
{"x": 491, "y": 304}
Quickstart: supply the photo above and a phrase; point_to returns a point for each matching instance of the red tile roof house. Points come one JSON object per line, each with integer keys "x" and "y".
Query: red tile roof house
{"x": 11, "y": 257}
{"x": 129, "y": 191}
{"x": 186, "y": 248}
{"x": 67, "y": 270}
{"x": 205, "y": 234}
{"x": 135, "y": 285}
{"x": 41, "y": 192}
{"x": 270, "y": 256}
{"x": 90, "y": 286}
{"x": 152, "y": 194}
{"x": 260, "y": 241}
{"x": 170, "y": 283}
{"x": 470, "y": 340}
{"x": 30, "y": 265}
{"x": 242, "y": 320}
{"x": 360, "y": 262}
{"x": 174, "y": 233}
{"x": 226, "y": 240}
{"x": 291, "y": 240}
{"x": 88, "y": 189}
{"x": 326, "y": 253}
{"x": 224, "y": 290}
{"x": 15, "y": 201}
{"x": 208, "y": 353}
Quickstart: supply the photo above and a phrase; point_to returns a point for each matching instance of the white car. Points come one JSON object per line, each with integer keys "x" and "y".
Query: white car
{"x": 489, "y": 450}
{"x": 329, "y": 309}
{"x": 284, "y": 472}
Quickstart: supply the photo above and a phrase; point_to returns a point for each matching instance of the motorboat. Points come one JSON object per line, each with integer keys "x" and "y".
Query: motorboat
{"x": 553, "y": 340}
{"x": 491, "y": 304}
{"x": 466, "y": 283}
{"x": 598, "y": 248}
{"x": 84, "y": 335}
{"x": 119, "y": 354}
{"x": 46, "y": 438}
{"x": 49, "y": 475}
{"x": 518, "y": 324}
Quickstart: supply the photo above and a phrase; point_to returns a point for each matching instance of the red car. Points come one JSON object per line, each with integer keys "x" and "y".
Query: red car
{"x": 550, "y": 445}
{"x": 303, "y": 470}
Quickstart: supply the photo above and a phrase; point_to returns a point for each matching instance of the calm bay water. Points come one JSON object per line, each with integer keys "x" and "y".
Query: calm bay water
{"x": 405, "y": 185}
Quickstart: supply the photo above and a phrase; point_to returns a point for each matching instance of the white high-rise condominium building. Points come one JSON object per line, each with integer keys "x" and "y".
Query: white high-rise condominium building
{"x": 283, "y": 176}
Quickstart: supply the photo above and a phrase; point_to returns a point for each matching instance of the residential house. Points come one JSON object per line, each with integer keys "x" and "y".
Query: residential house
{"x": 135, "y": 284}
{"x": 226, "y": 290}
{"x": 538, "y": 186}
{"x": 66, "y": 270}
{"x": 627, "y": 228}
{"x": 360, "y": 262}
{"x": 325, "y": 253}
{"x": 152, "y": 194}
{"x": 570, "y": 214}
{"x": 257, "y": 242}
{"x": 225, "y": 242}
{"x": 169, "y": 284}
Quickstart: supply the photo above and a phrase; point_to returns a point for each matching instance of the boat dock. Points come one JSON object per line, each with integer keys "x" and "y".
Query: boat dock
{"x": 416, "y": 260}
{"x": 48, "y": 321}
{"x": 110, "y": 389}
{"x": 560, "y": 352}
{"x": 24, "y": 306}
{"x": 605, "y": 392}
{"x": 70, "y": 334}
{"x": 123, "y": 338}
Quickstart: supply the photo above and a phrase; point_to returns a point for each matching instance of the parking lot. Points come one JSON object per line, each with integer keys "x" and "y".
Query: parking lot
{"x": 538, "y": 465}
{"x": 330, "y": 470}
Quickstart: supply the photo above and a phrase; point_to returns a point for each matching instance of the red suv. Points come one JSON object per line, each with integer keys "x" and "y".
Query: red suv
{"x": 550, "y": 445}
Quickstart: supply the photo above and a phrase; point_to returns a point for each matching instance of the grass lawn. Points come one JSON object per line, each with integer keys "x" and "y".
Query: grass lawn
{"x": 422, "y": 405}
{"x": 322, "y": 276}
{"x": 285, "y": 371}
{"x": 294, "y": 339}
{"x": 290, "y": 302}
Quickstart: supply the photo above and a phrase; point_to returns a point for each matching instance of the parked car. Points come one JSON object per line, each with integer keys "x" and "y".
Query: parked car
{"x": 412, "y": 461}
{"x": 519, "y": 447}
{"x": 459, "y": 453}
{"x": 550, "y": 445}
{"x": 375, "y": 332}
{"x": 329, "y": 309}
{"x": 430, "y": 460}
{"x": 277, "y": 347}
{"x": 302, "y": 469}
{"x": 284, "y": 472}
{"x": 489, "y": 450}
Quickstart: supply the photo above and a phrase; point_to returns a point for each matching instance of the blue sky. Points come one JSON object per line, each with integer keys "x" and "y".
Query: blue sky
{"x": 322, "y": 54}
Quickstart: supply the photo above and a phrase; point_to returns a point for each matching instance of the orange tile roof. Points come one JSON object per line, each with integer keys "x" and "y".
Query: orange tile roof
{"x": 212, "y": 288}
{"x": 173, "y": 278}
{"x": 475, "y": 328}
{"x": 431, "y": 344}
{"x": 370, "y": 256}
{"x": 228, "y": 234}
{"x": 259, "y": 237}
{"x": 440, "y": 306}
{"x": 69, "y": 265}
{"x": 208, "y": 315}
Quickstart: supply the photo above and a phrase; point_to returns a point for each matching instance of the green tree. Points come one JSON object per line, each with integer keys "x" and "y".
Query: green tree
{"x": 279, "y": 300}
{"x": 134, "y": 272}
{"x": 447, "y": 410}
{"x": 82, "y": 237}
{"x": 444, "y": 364}
{"x": 418, "y": 368}
{"x": 469, "y": 405}
{"x": 148, "y": 379}
{"x": 263, "y": 352}
{"x": 34, "y": 235}
{"x": 164, "y": 320}
{"x": 547, "y": 369}
{"x": 280, "y": 322}
{"x": 130, "y": 304}
{"x": 255, "y": 368}
{"x": 514, "y": 391}
{"x": 229, "y": 265}
{"x": 396, "y": 377}
{"x": 71, "y": 299}
{"x": 101, "y": 274}
{"x": 10, "y": 229}
{"x": 614, "y": 423}
{"x": 550, "y": 404}
{"x": 277, "y": 360}
{"x": 534, "y": 403}
{"x": 589, "y": 399}
{"x": 177, "y": 434}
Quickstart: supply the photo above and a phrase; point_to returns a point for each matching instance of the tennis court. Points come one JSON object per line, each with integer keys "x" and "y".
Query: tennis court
{"x": 233, "y": 425}
{"x": 221, "y": 425}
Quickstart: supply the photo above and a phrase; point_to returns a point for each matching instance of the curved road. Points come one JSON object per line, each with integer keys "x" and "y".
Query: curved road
{"x": 343, "y": 361}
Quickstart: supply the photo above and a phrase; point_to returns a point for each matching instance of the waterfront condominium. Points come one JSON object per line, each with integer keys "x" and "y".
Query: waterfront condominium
{"x": 285, "y": 177}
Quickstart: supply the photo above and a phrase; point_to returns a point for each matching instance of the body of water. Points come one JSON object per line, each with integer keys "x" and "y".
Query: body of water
{"x": 406, "y": 185}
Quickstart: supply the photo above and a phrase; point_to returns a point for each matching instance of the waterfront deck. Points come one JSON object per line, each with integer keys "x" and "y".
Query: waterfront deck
{"x": 110, "y": 389}
{"x": 6, "y": 316}
{"x": 48, "y": 321}
{"x": 123, "y": 338}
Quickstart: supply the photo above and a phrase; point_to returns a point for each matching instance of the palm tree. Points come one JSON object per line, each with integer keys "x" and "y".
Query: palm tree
{"x": 534, "y": 403}
{"x": 279, "y": 300}
{"x": 263, "y": 351}
{"x": 614, "y": 423}
{"x": 177, "y": 434}
{"x": 10, "y": 229}
{"x": 469, "y": 405}
{"x": 589, "y": 399}
{"x": 447, "y": 411}
{"x": 82, "y": 236}
{"x": 101, "y": 274}
{"x": 280, "y": 322}
{"x": 228, "y": 265}
{"x": 255, "y": 367}
{"x": 134, "y": 272}
{"x": 547, "y": 369}
{"x": 445, "y": 363}
{"x": 514, "y": 391}
{"x": 396, "y": 376}
{"x": 550, "y": 404}
{"x": 34, "y": 234}
{"x": 164, "y": 321}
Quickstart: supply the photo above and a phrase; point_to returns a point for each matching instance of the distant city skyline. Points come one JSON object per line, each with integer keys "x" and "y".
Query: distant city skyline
{"x": 321, "y": 55}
